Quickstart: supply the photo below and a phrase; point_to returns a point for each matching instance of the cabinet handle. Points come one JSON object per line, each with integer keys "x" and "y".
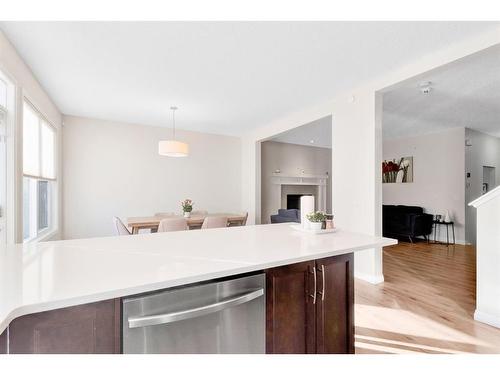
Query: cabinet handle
{"x": 314, "y": 292}
{"x": 322, "y": 293}
{"x": 151, "y": 320}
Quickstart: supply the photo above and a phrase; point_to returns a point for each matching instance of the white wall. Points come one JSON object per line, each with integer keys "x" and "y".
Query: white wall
{"x": 488, "y": 258}
{"x": 438, "y": 175}
{"x": 113, "y": 169}
{"x": 484, "y": 151}
{"x": 356, "y": 175}
{"x": 290, "y": 159}
{"x": 251, "y": 153}
{"x": 356, "y": 137}
{"x": 27, "y": 86}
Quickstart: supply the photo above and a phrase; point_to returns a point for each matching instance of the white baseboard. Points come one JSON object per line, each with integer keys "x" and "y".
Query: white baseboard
{"x": 443, "y": 239}
{"x": 369, "y": 278}
{"x": 492, "y": 320}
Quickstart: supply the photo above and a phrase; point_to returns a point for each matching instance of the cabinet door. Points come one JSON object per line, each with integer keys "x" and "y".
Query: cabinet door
{"x": 335, "y": 305}
{"x": 290, "y": 312}
{"x": 90, "y": 328}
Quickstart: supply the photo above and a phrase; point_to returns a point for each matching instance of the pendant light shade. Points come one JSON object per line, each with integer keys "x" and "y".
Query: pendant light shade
{"x": 172, "y": 147}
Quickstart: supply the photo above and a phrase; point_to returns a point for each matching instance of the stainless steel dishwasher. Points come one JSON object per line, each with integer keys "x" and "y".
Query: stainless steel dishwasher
{"x": 226, "y": 316}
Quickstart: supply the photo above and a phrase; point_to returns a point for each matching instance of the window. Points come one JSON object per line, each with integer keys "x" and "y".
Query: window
{"x": 3, "y": 160}
{"x": 3, "y": 94}
{"x": 39, "y": 174}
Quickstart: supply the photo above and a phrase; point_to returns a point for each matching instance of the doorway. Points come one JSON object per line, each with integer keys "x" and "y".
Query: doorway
{"x": 295, "y": 163}
{"x": 489, "y": 180}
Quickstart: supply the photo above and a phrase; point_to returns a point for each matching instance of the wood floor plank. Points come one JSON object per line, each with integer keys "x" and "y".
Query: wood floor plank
{"x": 425, "y": 305}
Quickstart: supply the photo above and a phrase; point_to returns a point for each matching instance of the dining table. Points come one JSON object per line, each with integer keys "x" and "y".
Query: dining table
{"x": 193, "y": 222}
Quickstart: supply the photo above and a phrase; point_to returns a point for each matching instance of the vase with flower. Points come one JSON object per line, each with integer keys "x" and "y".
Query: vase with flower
{"x": 187, "y": 207}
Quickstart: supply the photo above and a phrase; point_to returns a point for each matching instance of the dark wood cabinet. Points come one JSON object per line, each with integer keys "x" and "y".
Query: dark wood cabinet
{"x": 335, "y": 305}
{"x": 290, "y": 318}
{"x": 91, "y": 328}
{"x": 310, "y": 307}
{"x": 3, "y": 342}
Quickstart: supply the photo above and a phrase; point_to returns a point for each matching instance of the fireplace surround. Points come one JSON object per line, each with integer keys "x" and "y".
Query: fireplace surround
{"x": 297, "y": 185}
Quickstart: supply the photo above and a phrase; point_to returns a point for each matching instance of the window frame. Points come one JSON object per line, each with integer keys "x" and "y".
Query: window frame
{"x": 9, "y": 214}
{"x": 4, "y": 203}
{"x": 52, "y": 207}
{"x": 41, "y": 118}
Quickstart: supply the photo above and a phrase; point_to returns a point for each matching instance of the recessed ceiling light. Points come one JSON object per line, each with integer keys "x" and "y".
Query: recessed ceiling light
{"x": 311, "y": 141}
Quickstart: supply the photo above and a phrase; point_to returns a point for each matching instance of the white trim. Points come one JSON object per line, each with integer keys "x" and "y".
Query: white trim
{"x": 319, "y": 181}
{"x": 486, "y": 197}
{"x": 369, "y": 278}
{"x": 486, "y": 318}
{"x": 304, "y": 179}
{"x": 39, "y": 177}
{"x": 10, "y": 157}
{"x": 44, "y": 235}
{"x": 302, "y": 176}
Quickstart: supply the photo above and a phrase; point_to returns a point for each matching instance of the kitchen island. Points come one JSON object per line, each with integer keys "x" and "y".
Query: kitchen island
{"x": 66, "y": 296}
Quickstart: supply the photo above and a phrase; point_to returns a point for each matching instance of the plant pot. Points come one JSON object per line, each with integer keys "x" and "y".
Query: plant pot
{"x": 187, "y": 215}
{"x": 316, "y": 226}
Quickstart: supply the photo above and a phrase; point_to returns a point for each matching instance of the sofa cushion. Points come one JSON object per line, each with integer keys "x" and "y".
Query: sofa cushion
{"x": 292, "y": 213}
{"x": 411, "y": 209}
{"x": 283, "y": 219}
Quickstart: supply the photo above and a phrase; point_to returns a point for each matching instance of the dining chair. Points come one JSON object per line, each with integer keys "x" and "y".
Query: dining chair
{"x": 239, "y": 223}
{"x": 244, "y": 221}
{"x": 199, "y": 212}
{"x": 214, "y": 222}
{"x": 121, "y": 229}
{"x": 172, "y": 224}
{"x": 164, "y": 214}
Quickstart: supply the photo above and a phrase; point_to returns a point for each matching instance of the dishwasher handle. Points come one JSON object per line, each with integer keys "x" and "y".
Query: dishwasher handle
{"x": 152, "y": 320}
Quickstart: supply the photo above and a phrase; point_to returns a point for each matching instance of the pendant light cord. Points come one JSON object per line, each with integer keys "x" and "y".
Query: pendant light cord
{"x": 173, "y": 118}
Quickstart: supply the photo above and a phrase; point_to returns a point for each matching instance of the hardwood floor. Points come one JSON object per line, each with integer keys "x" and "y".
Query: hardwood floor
{"x": 425, "y": 305}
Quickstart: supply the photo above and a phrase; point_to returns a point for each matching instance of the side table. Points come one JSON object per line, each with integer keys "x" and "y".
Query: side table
{"x": 435, "y": 225}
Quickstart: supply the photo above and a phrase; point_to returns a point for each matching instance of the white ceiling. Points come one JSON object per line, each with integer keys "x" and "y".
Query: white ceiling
{"x": 317, "y": 133}
{"x": 465, "y": 93}
{"x": 226, "y": 77}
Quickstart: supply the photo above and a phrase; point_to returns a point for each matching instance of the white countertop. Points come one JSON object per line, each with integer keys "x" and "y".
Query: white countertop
{"x": 50, "y": 275}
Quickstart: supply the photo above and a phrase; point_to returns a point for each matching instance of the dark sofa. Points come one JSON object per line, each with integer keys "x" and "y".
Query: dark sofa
{"x": 406, "y": 221}
{"x": 286, "y": 216}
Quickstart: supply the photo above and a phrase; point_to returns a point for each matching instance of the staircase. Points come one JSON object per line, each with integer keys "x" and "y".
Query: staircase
{"x": 488, "y": 258}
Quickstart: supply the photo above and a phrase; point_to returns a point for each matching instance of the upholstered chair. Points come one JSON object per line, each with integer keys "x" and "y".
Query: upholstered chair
{"x": 214, "y": 222}
{"x": 172, "y": 224}
{"x": 121, "y": 229}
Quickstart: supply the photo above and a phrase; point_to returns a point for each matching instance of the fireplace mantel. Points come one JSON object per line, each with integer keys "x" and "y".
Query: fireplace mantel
{"x": 299, "y": 179}
{"x": 320, "y": 181}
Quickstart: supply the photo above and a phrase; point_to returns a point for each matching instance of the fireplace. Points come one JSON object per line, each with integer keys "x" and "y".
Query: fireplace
{"x": 286, "y": 190}
{"x": 293, "y": 201}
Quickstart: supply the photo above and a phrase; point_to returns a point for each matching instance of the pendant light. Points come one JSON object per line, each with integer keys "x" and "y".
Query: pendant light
{"x": 172, "y": 147}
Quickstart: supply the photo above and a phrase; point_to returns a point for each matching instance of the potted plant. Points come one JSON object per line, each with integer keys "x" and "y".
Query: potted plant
{"x": 316, "y": 220}
{"x": 187, "y": 207}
